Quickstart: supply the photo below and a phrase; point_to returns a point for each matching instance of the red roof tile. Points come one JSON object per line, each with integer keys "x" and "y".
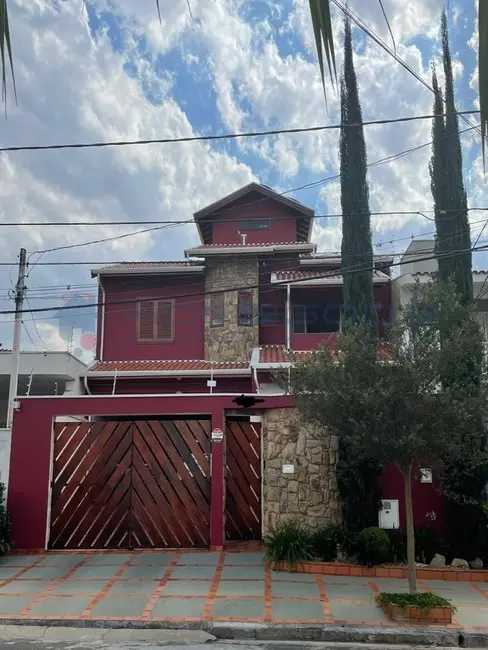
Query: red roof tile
{"x": 323, "y": 274}
{"x": 253, "y": 245}
{"x": 278, "y": 353}
{"x": 148, "y": 265}
{"x": 162, "y": 366}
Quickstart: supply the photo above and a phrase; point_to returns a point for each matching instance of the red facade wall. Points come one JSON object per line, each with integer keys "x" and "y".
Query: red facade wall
{"x": 282, "y": 222}
{"x": 428, "y": 502}
{"x": 156, "y": 385}
{"x": 30, "y": 460}
{"x": 120, "y": 338}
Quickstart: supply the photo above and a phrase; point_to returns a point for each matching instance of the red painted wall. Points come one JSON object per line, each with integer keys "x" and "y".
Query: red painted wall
{"x": 155, "y": 385}
{"x": 120, "y": 339}
{"x": 282, "y": 222}
{"x": 426, "y": 498}
{"x": 30, "y": 460}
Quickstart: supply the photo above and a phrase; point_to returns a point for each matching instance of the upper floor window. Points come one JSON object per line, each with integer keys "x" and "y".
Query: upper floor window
{"x": 155, "y": 320}
{"x": 244, "y": 308}
{"x": 216, "y": 309}
{"x": 272, "y": 315}
{"x": 316, "y": 319}
{"x": 254, "y": 224}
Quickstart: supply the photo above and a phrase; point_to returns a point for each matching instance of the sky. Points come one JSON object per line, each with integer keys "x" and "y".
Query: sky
{"x": 110, "y": 70}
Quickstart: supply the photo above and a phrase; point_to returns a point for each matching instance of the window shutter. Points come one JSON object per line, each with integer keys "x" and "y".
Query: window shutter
{"x": 165, "y": 321}
{"x": 217, "y": 309}
{"x": 146, "y": 321}
{"x": 244, "y": 315}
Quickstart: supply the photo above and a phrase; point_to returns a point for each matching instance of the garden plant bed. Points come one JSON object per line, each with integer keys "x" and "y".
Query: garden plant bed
{"x": 442, "y": 615}
{"x": 384, "y": 571}
{"x": 419, "y": 608}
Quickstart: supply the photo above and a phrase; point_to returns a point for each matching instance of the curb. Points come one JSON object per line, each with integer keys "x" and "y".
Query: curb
{"x": 405, "y": 636}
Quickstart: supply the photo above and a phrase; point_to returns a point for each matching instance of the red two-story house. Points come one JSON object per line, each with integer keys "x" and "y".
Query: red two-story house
{"x": 181, "y": 438}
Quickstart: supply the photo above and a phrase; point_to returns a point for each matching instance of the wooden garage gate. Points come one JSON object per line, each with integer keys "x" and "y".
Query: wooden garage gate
{"x": 131, "y": 484}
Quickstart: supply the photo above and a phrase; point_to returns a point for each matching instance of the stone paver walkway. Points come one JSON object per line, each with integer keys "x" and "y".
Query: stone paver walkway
{"x": 194, "y": 586}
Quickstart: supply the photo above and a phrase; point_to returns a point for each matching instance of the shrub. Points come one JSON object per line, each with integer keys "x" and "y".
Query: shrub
{"x": 325, "y": 541}
{"x": 398, "y": 543}
{"x": 5, "y": 543}
{"x": 428, "y": 542}
{"x": 425, "y": 601}
{"x": 373, "y": 546}
{"x": 289, "y": 543}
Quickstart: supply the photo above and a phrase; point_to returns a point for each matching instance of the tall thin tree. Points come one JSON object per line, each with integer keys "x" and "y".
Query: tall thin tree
{"x": 450, "y": 200}
{"x": 357, "y": 248}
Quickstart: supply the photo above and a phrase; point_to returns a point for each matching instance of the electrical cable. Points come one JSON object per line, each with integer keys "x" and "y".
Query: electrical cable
{"x": 326, "y": 274}
{"x": 227, "y": 136}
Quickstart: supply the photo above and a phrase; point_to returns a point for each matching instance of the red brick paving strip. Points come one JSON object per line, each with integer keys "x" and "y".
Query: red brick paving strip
{"x": 162, "y": 583}
{"x": 324, "y": 599}
{"x": 104, "y": 591}
{"x": 213, "y": 589}
{"x": 49, "y": 590}
{"x": 267, "y": 594}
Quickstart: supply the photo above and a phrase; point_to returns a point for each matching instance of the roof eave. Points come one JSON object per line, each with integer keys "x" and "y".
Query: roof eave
{"x": 167, "y": 373}
{"x": 206, "y": 251}
{"x": 173, "y": 270}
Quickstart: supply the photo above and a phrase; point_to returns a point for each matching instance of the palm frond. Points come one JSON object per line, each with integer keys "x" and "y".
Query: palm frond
{"x": 5, "y": 49}
{"x": 324, "y": 38}
{"x": 483, "y": 70}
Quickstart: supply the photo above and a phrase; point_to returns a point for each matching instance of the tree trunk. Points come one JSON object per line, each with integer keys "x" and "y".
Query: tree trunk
{"x": 411, "y": 569}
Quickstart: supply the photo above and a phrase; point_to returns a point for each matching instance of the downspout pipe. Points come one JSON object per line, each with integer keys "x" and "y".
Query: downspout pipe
{"x": 288, "y": 314}
{"x": 102, "y": 323}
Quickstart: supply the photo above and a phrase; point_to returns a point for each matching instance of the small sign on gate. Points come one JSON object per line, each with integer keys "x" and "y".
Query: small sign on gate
{"x": 217, "y": 435}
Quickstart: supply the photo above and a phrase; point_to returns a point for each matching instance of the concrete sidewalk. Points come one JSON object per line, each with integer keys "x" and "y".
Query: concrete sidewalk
{"x": 203, "y": 587}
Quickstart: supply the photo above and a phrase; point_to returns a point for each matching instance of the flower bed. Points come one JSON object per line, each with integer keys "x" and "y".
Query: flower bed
{"x": 345, "y": 569}
{"x": 417, "y": 608}
{"x": 442, "y": 615}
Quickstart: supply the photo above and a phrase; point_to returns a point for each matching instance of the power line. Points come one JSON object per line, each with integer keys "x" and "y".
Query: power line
{"x": 326, "y": 274}
{"x": 227, "y": 136}
{"x": 313, "y": 184}
{"x": 367, "y": 30}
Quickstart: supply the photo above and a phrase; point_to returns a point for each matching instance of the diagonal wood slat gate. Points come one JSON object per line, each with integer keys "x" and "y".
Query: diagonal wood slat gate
{"x": 131, "y": 484}
{"x": 243, "y": 481}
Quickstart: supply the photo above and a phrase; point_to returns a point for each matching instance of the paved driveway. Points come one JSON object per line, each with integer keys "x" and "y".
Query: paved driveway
{"x": 195, "y": 586}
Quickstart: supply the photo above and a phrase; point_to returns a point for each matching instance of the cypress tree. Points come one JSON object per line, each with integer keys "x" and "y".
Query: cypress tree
{"x": 357, "y": 248}
{"x": 446, "y": 170}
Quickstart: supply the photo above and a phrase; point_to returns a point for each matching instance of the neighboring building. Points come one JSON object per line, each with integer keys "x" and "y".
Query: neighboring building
{"x": 418, "y": 265}
{"x": 40, "y": 373}
{"x": 189, "y": 442}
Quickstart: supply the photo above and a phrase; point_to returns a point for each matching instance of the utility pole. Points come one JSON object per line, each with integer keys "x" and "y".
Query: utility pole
{"x": 19, "y": 303}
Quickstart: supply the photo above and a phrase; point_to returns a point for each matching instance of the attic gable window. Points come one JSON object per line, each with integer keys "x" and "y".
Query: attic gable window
{"x": 254, "y": 224}
{"x": 155, "y": 321}
{"x": 244, "y": 308}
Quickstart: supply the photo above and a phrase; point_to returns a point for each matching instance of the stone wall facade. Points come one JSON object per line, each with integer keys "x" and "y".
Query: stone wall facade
{"x": 309, "y": 495}
{"x": 231, "y": 342}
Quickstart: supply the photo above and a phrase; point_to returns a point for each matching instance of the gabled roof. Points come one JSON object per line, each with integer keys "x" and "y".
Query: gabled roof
{"x": 203, "y": 217}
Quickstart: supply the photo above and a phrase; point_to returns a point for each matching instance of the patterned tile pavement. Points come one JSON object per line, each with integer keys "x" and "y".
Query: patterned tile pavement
{"x": 182, "y": 586}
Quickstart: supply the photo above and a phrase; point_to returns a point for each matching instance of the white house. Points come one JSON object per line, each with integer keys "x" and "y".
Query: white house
{"x": 414, "y": 268}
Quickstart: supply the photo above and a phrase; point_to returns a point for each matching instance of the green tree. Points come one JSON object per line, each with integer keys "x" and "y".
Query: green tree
{"x": 390, "y": 404}
{"x": 357, "y": 248}
{"x": 449, "y": 193}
